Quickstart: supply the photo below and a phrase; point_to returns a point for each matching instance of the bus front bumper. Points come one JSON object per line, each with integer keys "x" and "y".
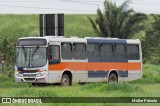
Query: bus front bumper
{"x": 42, "y": 79}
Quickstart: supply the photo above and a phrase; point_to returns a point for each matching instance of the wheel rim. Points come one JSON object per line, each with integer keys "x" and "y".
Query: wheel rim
{"x": 65, "y": 81}
{"x": 113, "y": 79}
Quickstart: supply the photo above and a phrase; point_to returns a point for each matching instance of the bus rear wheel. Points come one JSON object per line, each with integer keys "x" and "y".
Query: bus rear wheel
{"x": 65, "y": 81}
{"x": 113, "y": 78}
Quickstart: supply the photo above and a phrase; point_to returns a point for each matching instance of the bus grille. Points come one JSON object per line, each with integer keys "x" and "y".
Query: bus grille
{"x": 29, "y": 79}
{"x": 29, "y": 75}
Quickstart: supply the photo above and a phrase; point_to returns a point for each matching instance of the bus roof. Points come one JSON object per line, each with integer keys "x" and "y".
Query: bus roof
{"x": 86, "y": 39}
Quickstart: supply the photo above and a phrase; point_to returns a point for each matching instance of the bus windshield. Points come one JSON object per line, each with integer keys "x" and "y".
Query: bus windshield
{"x": 31, "y": 57}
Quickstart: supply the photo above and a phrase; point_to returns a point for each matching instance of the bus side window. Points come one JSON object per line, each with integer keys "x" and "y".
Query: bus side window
{"x": 79, "y": 51}
{"x": 133, "y": 52}
{"x": 119, "y": 52}
{"x": 93, "y": 51}
{"x": 54, "y": 54}
{"x": 66, "y": 51}
{"x": 106, "y": 52}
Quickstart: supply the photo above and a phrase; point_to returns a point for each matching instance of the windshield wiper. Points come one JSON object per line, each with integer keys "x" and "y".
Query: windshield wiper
{"x": 25, "y": 53}
{"x": 34, "y": 52}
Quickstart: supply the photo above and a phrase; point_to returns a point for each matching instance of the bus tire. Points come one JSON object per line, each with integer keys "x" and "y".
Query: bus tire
{"x": 113, "y": 78}
{"x": 65, "y": 81}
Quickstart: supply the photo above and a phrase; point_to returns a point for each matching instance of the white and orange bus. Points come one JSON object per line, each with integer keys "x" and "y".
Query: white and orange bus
{"x": 53, "y": 59}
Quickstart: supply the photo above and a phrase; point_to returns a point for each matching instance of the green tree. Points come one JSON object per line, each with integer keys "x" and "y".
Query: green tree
{"x": 7, "y": 49}
{"x": 117, "y": 21}
{"x": 151, "y": 44}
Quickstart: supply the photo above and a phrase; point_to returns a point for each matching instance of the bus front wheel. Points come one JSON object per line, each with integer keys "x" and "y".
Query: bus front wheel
{"x": 65, "y": 81}
{"x": 113, "y": 78}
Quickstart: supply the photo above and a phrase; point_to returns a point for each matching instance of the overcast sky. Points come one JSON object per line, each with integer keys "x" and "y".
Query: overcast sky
{"x": 71, "y": 6}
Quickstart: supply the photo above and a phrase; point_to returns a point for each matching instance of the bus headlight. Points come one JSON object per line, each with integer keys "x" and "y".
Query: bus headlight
{"x": 18, "y": 74}
{"x": 40, "y": 73}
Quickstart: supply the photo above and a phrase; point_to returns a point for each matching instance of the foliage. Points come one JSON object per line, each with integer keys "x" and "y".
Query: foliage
{"x": 7, "y": 48}
{"x": 151, "y": 44}
{"x": 117, "y": 21}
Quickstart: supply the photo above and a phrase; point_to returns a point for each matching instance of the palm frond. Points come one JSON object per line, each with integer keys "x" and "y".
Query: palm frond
{"x": 117, "y": 21}
{"x": 94, "y": 26}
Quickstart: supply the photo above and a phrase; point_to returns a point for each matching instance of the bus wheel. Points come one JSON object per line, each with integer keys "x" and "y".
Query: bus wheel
{"x": 65, "y": 81}
{"x": 113, "y": 78}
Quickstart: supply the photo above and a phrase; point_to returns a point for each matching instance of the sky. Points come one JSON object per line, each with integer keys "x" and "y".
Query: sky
{"x": 71, "y": 6}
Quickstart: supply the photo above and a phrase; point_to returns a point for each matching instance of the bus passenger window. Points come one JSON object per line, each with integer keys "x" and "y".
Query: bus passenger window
{"x": 93, "y": 51}
{"x": 66, "y": 51}
{"x": 79, "y": 51}
{"x": 133, "y": 52}
{"x": 106, "y": 52}
{"x": 54, "y": 54}
{"x": 119, "y": 52}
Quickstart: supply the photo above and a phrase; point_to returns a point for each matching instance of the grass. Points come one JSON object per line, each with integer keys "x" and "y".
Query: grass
{"x": 148, "y": 86}
{"x": 100, "y": 90}
{"x": 15, "y": 26}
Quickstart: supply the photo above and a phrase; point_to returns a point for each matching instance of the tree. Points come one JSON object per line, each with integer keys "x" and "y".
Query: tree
{"x": 117, "y": 21}
{"x": 7, "y": 49}
{"x": 151, "y": 44}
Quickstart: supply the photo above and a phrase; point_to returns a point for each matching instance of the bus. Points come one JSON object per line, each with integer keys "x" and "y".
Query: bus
{"x": 62, "y": 60}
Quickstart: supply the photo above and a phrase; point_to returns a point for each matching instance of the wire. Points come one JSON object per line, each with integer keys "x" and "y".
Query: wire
{"x": 79, "y": 2}
{"x": 54, "y": 1}
{"x": 144, "y": 4}
{"x": 139, "y": 3}
{"x": 47, "y": 8}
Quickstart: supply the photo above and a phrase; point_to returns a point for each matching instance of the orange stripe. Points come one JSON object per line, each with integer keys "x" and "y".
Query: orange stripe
{"x": 134, "y": 66}
{"x": 76, "y": 66}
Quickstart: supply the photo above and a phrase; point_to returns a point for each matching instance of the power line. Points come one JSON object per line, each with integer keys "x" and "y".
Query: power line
{"x": 54, "y": 1}
{"x": 144, "y": 4}
{"x": 85, "y": 1}
{"x": 29, "y": 0}
{"x": 139, "y": 3}
{"x": 79, "y": 2}
{"x": 45, "y": 8}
